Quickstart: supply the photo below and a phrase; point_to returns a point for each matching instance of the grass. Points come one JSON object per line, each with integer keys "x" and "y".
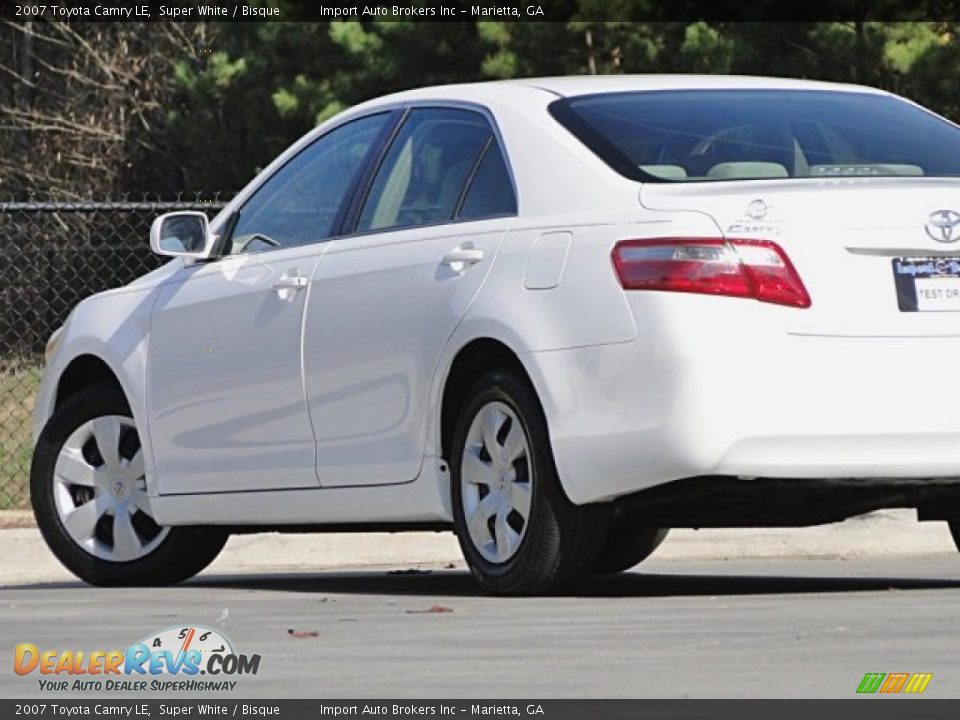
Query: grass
{"x": 18, "y": 387}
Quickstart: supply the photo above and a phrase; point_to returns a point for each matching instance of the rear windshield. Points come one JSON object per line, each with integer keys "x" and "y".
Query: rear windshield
{"x": 707, "y": 135}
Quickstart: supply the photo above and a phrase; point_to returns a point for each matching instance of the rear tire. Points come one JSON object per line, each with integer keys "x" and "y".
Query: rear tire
{"x": 518, "y": 531}
{"x": 627, "y": 546}
{"x": 89, "y": 497}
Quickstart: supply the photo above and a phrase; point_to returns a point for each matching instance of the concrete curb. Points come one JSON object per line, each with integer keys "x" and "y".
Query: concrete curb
{"x": 27, "y": 560}
{"x": 16, "y": 519}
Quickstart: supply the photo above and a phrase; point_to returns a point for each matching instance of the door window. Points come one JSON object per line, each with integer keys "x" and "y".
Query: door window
{"x": 423, "y": 174}
{"x": 300, "y": 202}
{"x": 490, "y": 193}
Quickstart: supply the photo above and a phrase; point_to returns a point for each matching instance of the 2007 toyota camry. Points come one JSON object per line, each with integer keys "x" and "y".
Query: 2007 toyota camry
{"x": 557, "y": 315}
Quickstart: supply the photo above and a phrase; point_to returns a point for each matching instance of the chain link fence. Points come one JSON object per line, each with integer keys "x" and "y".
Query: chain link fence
{"x": 53, "y": 255}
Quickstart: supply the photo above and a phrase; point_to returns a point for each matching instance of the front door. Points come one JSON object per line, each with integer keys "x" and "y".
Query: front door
{"x": 225, "y": 390}
{"x": 225, "y": 397}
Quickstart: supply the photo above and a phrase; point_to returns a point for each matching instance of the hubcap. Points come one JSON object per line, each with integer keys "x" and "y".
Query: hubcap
{"x": 496, "y": 482}
{"x": 100, "y": 491}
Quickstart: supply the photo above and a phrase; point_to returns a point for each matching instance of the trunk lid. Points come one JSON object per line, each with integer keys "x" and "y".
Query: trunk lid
{"x": 847, "y": 238}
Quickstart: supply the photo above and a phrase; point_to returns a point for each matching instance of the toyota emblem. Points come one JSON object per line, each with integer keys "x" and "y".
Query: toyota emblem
{"x": 943, "y": 226}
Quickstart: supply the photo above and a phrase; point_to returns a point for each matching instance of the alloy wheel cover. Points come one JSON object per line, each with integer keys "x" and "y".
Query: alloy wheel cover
{"x": 496, "y": 482}
{"x": 99, "y": 490}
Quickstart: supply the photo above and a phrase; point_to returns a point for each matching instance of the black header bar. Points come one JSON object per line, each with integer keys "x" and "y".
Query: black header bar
{"x": 479, "y": 10}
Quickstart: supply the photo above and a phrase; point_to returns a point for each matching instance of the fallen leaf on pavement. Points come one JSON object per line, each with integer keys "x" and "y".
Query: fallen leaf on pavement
{"x": 301, "y": 634}
{"x": 431, "y": 609}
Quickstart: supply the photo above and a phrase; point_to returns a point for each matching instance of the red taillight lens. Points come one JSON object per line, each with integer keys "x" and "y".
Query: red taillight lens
{"x": 757, "y": 269}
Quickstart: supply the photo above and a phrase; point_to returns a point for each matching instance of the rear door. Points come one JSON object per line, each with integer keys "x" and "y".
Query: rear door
{"x": 387, "y": 297}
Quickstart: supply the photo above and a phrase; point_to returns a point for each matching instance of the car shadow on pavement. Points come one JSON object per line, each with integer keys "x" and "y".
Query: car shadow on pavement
{"x": 631, "y": 584}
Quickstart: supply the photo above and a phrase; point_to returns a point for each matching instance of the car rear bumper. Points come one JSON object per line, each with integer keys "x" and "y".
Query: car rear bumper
{"x": 713, "y": 401}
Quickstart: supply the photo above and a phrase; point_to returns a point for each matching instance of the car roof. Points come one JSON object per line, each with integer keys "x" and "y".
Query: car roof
{"x": 517, "y": 97}
{"x": 521, "y": 94}
{"x": 574, "y": 85}
{"x": 589, "y": 84}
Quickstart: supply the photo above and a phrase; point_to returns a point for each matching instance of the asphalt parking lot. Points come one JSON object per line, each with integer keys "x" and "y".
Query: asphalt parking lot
{"x": 773, "y": 627}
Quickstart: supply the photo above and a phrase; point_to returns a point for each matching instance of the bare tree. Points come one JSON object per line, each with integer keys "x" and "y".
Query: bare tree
{"x": 83, "y": 104}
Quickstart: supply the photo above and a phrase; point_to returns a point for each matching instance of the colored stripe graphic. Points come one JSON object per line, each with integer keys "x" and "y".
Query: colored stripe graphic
{"x": 870, "y": 683}
{"x": 894, "y": 682}
{"x": 918, "y": 682}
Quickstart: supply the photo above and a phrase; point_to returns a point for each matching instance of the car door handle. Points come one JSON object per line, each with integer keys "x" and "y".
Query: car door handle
{"x": 462, "y": 257}
{"x": 291, "y": 282}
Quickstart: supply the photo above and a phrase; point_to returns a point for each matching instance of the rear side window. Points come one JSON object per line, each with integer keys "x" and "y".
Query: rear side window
{"x": 709, "y": 135}
{"x": 490, "y": 192}
{"x": 424, "y": 172}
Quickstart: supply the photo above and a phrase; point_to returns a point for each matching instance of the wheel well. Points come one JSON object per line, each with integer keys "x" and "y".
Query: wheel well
{"x": 474, "y": 360}
{"x": 83, "y": 371}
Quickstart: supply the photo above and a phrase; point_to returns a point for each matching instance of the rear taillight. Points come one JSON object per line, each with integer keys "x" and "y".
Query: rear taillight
{"x": 757, "y": 269}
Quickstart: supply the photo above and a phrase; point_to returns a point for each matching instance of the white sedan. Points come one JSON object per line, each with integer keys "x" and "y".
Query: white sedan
{"x": 557, "y": 316}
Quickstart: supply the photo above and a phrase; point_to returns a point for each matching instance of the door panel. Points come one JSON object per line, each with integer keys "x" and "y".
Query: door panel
{"x": 386, "y": 303}
{"x": 380, "y": 311}
{"x": 225, "y": 384}
{"x": 225, "y": 377}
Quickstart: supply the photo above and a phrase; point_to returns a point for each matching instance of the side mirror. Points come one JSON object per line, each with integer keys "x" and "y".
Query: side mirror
{"x": 182, "y": 234}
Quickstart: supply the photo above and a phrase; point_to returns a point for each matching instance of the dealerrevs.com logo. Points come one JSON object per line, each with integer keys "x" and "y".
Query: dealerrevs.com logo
{"x": 170, "y": 660}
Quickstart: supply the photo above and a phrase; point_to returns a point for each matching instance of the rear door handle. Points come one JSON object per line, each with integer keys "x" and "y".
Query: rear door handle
{"x": 462, "y": 258}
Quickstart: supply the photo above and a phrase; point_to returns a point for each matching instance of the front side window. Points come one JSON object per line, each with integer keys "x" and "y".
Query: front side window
{"x": 422, "y": 177}
{"x": 708, "y": 135}
{"x": 300, "y": 202}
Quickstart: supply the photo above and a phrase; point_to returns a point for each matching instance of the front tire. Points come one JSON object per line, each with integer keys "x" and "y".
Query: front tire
{"x": 518, "y": 531}
{"x": 88, "y": 491}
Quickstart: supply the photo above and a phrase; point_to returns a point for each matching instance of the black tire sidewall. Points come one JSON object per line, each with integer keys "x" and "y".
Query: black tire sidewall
{"x": 627, "y": 546}
{"x": 181, "y": 554}
{"x": 539, "y": 563}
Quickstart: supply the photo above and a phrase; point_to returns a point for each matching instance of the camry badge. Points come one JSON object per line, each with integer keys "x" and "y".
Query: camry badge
{"x": 944, "y": 226}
